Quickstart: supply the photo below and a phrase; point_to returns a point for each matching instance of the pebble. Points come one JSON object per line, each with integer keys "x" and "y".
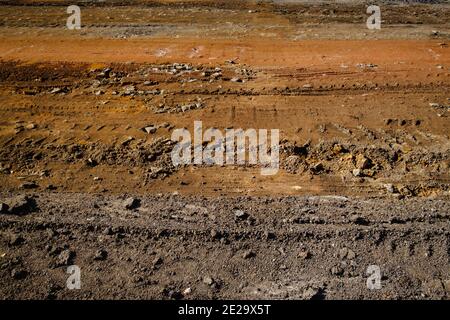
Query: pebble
{"x": 131, "y": 203}
{"x": 357, "y": 172}
{"x": 208, "y": 280}
{"x": 150, "y": 129}
{"x": 248, "y": 254}
{"x": 241, "y": 215}
{"x": 3, "y": 207}
{"x": 101, "y": 255}
{"x": 389, "y": 188}
{"x": 305, "y": 254}
{"x": 65, "y": 258}
{"x": 22, "y": 205}
{"x": 187, "y": 291}
{"x": 16, "y": 240}
{"x": 19, "y": 274}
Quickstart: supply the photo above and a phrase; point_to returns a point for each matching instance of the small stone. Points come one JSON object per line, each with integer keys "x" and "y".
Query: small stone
{"x": 248, "y": 254}
{"x": 150, "y": 129}
{"x": 311, "y": 293}
{"x": 131, "y": 203}
{"x": 447, "y": 285}
{"x": 175, "y": 295}
{"x": 240, "y": 215}
{"x": 269, "y": 235}
{"x": 389, "y": 188}
{"x": 357, "y": 172}
{"x": 337, "y": 148}
{"x": 236, "y": 79}
{"x": 101, "y": 255}
{"x": 358, "y": 220}
{"x": 56, "y": 90}
{"x": 336, "y": 271}
{"x": 343, "y": 253}
{"x": 157, "y": 261}
{"x": 22, "y": 205}
{"x": 304, "y": 254}
{"x": 351, "y": 254}
{"x": 16, "y": 240}
{"x": 19, "y": 274}
{"x": 31, "y": 126}
{"x": 187, "y": 291}
{"x": 91, "y": 162}
{"x": 346, "y": 253}
{"x": 215, "y": 234}
{"x": 317, "y": 168}
{"x": 3, "y": 207}
{"x": 362, "y": 162}
{"x": 65, "y": 258}
{"x": 208, "y": 280}
{"x": 28, "y": 185}
{"x": 126, "y": 141}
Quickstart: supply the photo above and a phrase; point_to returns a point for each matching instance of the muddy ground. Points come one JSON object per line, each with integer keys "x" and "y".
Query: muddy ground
{"x": 86, "y": 122}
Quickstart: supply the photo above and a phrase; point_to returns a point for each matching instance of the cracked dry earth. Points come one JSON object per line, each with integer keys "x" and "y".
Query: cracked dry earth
{"x": 86, "y": 176}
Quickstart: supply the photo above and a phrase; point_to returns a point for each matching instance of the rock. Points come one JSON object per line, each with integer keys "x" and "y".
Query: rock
{"x": 317, "y": 168}
{"x": 357, "y": 172}
{"x": 4, "y": 207}
{"x": 358, "y": 220}
{"x": 389, "y": 188}
{"x": 215, "y": 234}
{"x": 19, "y": 274}
{"x": 150, "y": 129}
{"x": 337, "y": 271}
{"x": 175, "y": 295}
{"x": 362, "y": 162}
{"x": 31, "y": 126}
{"x": 28, "y": 185}
{"x": 208, "y": 280}
{"x": 240, "y": 215}
{"x": 236, "y": 79}
{"x": 22, "y": 205}
{"x": 248, "y": 254}
{"x": 343, "y": 253}
{"x": 157, "y": 261}
{"x": 187, "y": 291}
{"x": 405, "y": 191}
{"x": 131, "y": 203}
{"x": 91, "y": 162}
{"x": 346, "y": 253}
{"x": 101, "y": 255}
{"x": 129, "y": 90}
{"x": 312, "y": 293}
{"x": 304, "y": 254}
{"x": 56, "y": 90}
{"x": 126, "y": 141}
{"x": 447, "y": 285}
{"x": 338, "y": 148}
{"x": 269, "y": 235}
{"x": 16, "y": 240}
{"x": 65, "y": 258}
{"x": 351, "y": 254}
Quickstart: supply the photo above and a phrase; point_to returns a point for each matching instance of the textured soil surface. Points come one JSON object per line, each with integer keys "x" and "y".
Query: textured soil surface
{"x": 245, "y": 247}
{"x": 86, "y": 118}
